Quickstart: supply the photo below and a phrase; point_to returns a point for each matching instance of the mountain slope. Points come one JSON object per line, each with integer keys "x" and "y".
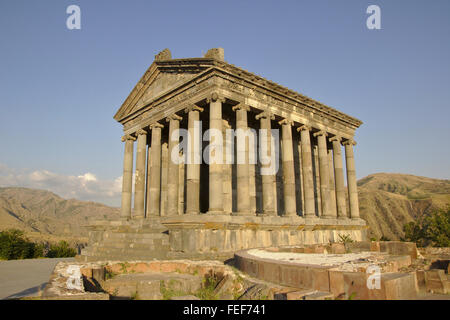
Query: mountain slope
{"x": 39, "y": 212}
{"x": 387, "y": 201}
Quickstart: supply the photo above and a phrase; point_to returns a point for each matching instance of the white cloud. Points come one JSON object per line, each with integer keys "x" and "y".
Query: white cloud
{"x": 83, "y": 186}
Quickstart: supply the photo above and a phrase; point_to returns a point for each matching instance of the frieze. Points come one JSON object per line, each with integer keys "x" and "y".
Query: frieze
{"x": 277, "y": 88}
{"x": 274, "y": 102}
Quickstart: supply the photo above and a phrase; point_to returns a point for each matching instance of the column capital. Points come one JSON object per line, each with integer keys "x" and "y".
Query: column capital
{"x": 155, "y": 125}
{"x": 193, "y": 108}
{"x": 141, "y": 132}
{"x": 349, "y": 142}
{"x": 173, "y": 117}
{"x": 304, "y": 127}
{"x": 128, "y": 137}
{"x": 266, "y": 115}
{"x": 286, "y": 122}
{"x": 335, "y": 138}
{"x": 241, "y": 106}
{"x": 215, "y": 96}
{"x": 320, "y": 133}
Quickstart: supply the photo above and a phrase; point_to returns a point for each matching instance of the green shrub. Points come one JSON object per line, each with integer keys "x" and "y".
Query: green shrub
{"x": 345, "y": 238}
{"x": 14, "y": 245}
{"x": 61, "y": 250}
{"x": 432, "y": 230}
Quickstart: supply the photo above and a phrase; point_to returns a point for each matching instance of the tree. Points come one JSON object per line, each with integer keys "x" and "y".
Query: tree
{"x": 432, "y": 230}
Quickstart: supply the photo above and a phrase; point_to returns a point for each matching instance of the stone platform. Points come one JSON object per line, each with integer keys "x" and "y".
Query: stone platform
{"x": 339, "y": 276}
{"x": 210, "y": 236}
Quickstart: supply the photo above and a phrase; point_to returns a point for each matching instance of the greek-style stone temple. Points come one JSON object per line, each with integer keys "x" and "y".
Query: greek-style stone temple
{"x": 227, "y": 160}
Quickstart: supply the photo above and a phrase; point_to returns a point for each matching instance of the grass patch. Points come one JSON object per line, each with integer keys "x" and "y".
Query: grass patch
{"x": 207, "y": 291}
{"x": 124, "y": 267}
{"x": 109, "y": 274}
{"x": 169, "y": 292}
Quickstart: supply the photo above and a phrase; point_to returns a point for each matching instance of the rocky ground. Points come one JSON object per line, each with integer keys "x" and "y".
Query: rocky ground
{"x": 406, "y": 273}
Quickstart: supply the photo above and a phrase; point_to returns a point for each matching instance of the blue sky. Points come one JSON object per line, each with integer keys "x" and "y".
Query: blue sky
{"x": 60, "y": 88}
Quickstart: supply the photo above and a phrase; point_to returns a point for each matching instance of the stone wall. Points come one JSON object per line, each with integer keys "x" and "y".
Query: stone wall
{"x": 192, "y": 236}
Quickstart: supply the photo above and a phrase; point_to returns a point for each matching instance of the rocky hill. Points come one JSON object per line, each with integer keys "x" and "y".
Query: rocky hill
{"x": 387, "y": 201}
{"x": 45, "y": 216}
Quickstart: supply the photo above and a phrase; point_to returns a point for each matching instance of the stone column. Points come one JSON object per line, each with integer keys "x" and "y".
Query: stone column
{"x": 339, "y": 177}
{"x": 174, "y": 167}
{"x": 194, "y": 157}
{"x": 351, "y": 179}
{"x": 268, "y": 180}
{"x": 227, "y": 169}
{"x": 139, "y": 176}
{"x": 316, "y": 175}
{"x": 288, "y": 168}
{"x": 147, "y": 188}
{"x": 164, "y": 178}
{"x": 125, "y": 212}
{"x": 308, "y": 184}
{"x": 331, "y": 183}
{"x": 155, "y": 171}
{"x": 252, "y": 171}
{"x": 324, "y": 174}
{"x": 215, "y": 154}
{"x": 242, "y": 161}
{"x": 181, "y": 185}
{"x": 300, "y": 178}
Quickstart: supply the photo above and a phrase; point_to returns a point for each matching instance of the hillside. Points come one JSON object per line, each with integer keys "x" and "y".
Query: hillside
{"x": 388, "y": 201}
{"x": 45, "y": 216}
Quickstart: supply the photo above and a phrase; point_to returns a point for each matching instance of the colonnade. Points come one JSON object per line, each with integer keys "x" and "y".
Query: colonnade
{"x": 322, "y": 183}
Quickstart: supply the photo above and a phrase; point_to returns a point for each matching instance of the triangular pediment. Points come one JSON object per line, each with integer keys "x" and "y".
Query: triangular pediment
{"x": 160, "y": 78}
{"x": 163, "y": 83}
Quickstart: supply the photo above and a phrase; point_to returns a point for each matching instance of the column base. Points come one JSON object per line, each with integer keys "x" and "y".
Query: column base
{"x": 191, "y": 213}
{"x": 242, "y": 213}
{"x": 267, "y": 214}
{"x": 290, "y": 214}
{"x": 221, "y": 212}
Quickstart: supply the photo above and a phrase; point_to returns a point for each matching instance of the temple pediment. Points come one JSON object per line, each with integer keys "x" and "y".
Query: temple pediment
{"x": 162, "y": 84}
{"x": 160, "y": 78}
